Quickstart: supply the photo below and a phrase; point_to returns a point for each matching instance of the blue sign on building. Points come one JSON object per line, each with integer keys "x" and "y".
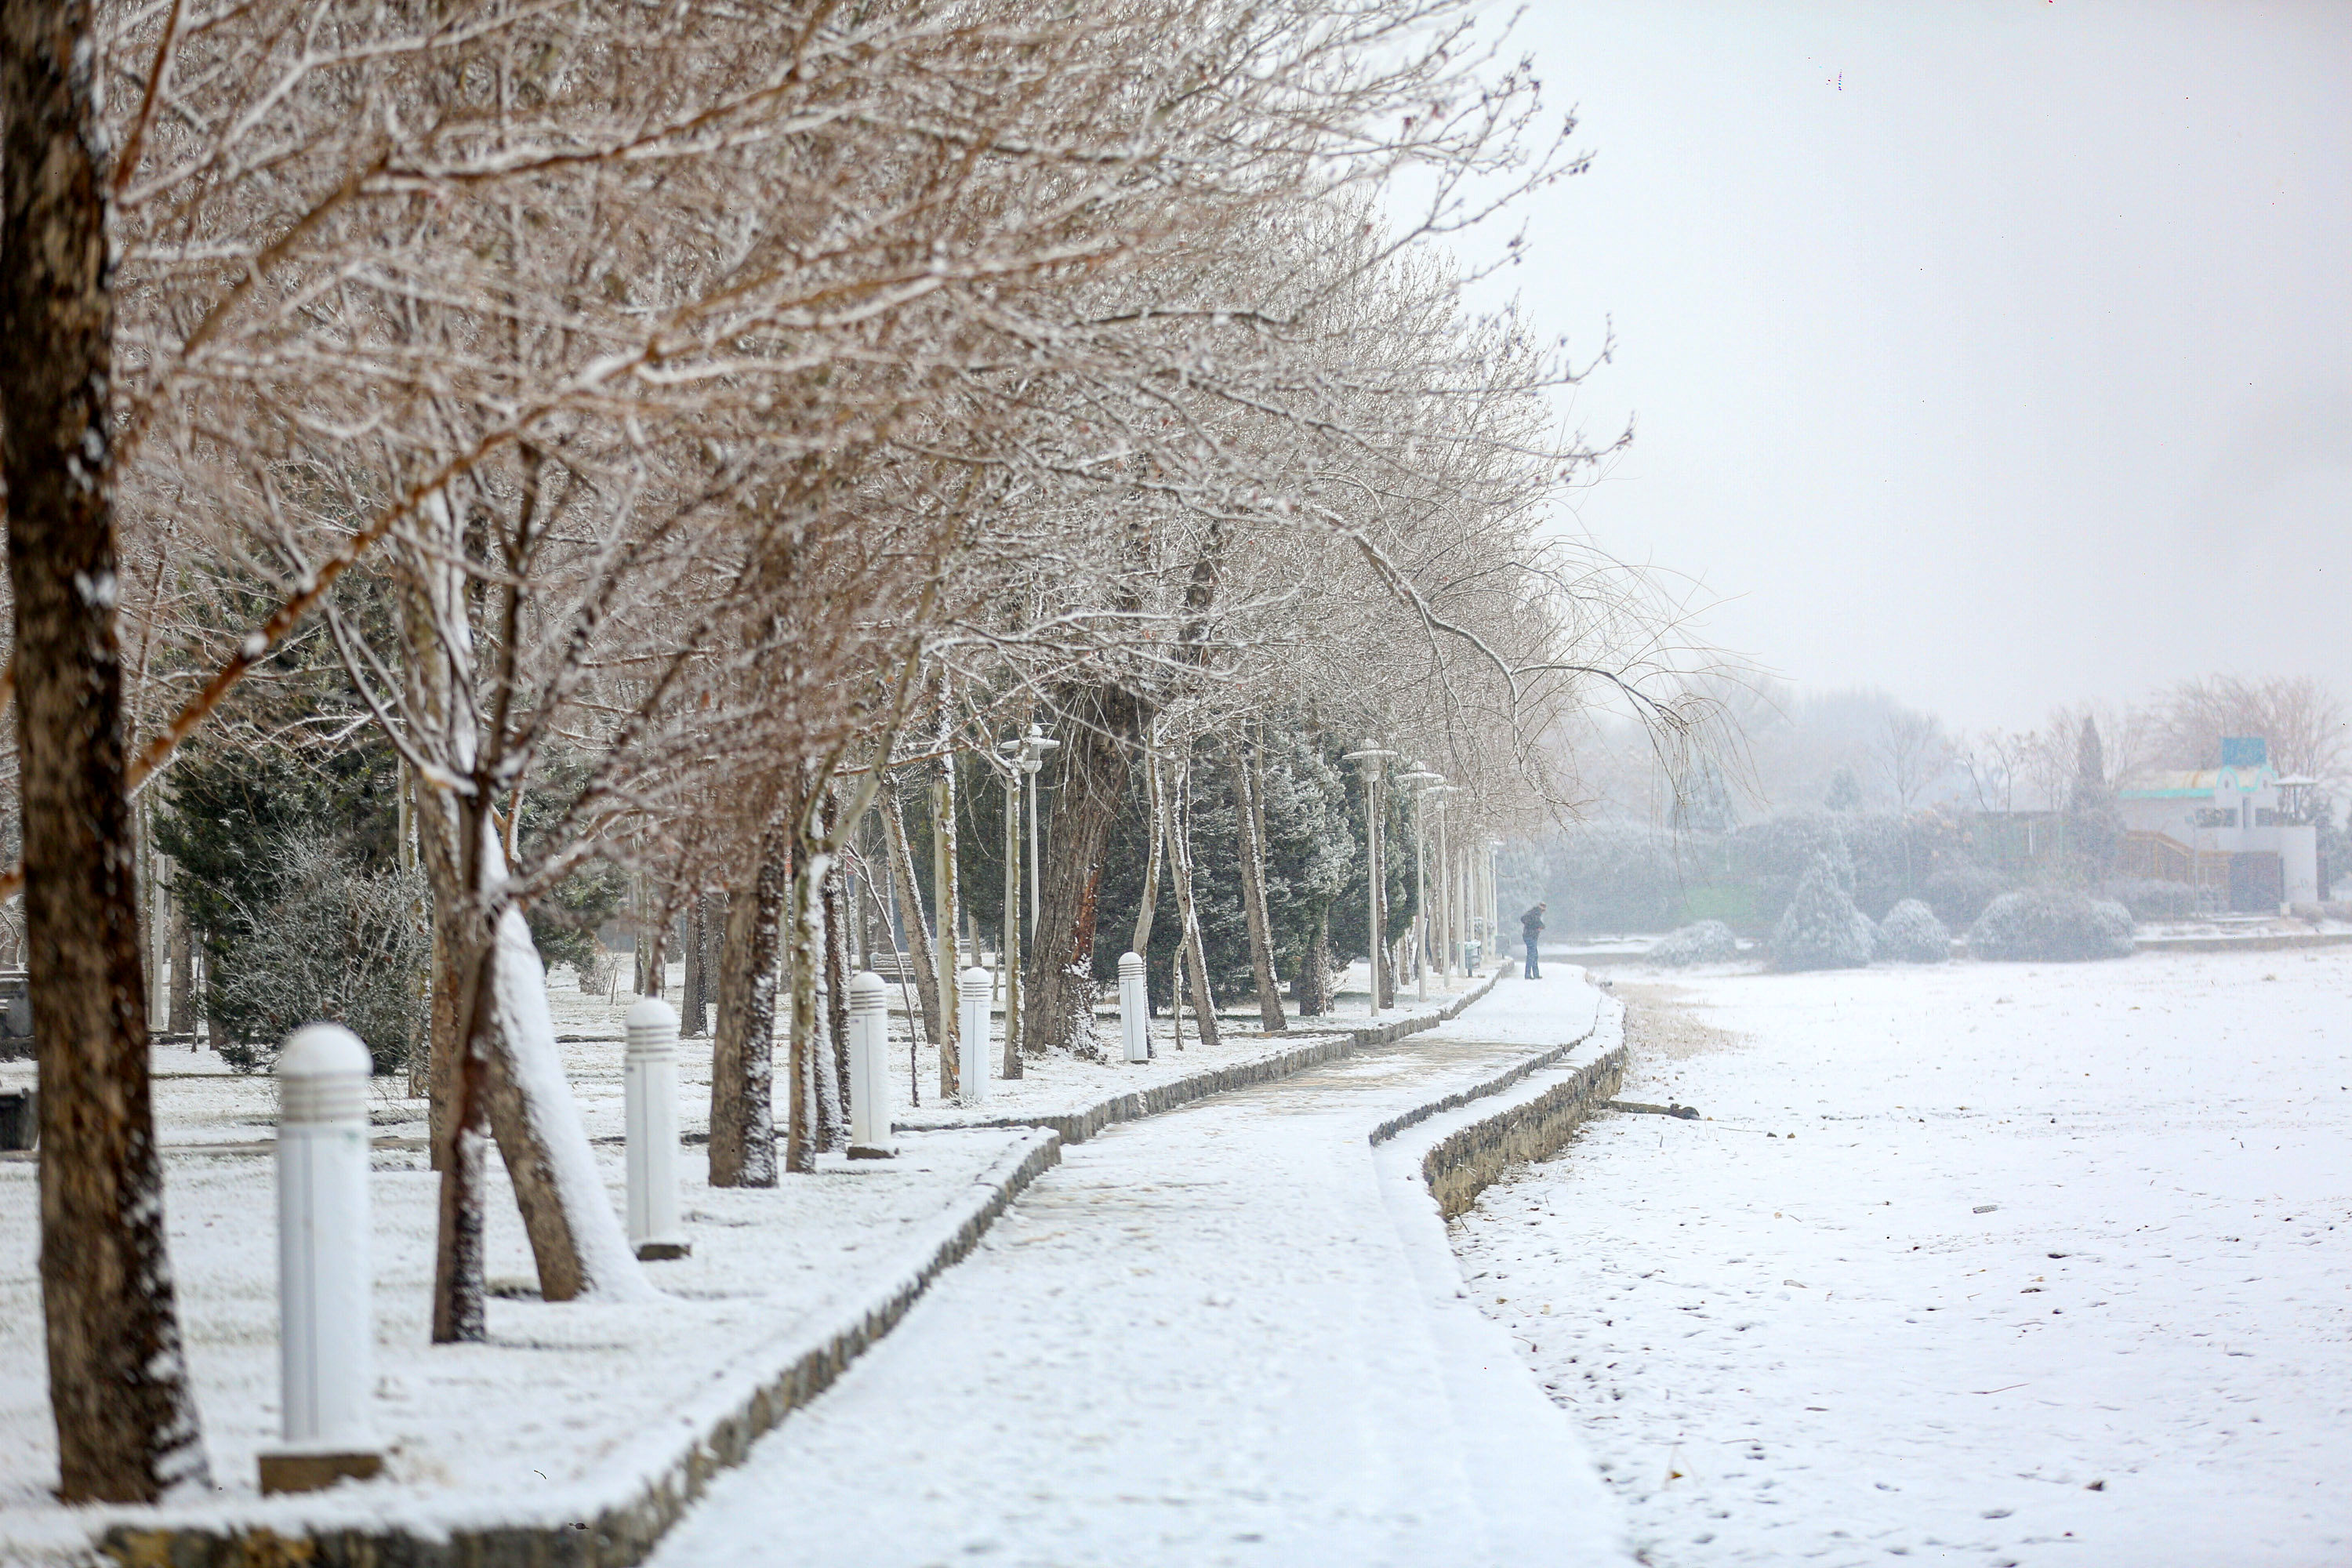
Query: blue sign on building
{"x": 2245, "y": 751}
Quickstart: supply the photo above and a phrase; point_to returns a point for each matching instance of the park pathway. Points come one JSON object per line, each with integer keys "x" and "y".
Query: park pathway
{"x": 1206, "y": 1338}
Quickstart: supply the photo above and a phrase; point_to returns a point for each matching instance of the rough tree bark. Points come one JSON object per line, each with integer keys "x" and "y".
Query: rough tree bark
{"x": 126, "y": 1420}
{"x": 1104, "y": 725}
{"x": 945, "y": 905}
{"x": 743, "y": 1044}
{"x": 693, "y": 1011}
{"x": 1252, "y": 847}
{"x": 1180, "y": 855}
{"x": 913, "y": 925}
{"x": 834, "y": 903}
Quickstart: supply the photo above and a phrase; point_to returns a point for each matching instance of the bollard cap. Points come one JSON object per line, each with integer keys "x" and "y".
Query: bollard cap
{"x": 975, "y": 981}
{"x": 650, "y": 1013}
{"x": 322, "y": 1072}
{"x": 323, "y": 1050}
{"x": 869, "y": 990}
{"x": 1129, "y": 963}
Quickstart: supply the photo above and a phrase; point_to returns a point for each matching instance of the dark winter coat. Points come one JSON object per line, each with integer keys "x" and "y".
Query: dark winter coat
{"x": 1530, "y": 923}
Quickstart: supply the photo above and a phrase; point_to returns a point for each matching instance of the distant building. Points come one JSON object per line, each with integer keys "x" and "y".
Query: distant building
{"x": 2235, "y": 831}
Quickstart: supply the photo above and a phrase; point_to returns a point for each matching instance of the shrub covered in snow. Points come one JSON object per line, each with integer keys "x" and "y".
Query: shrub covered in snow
{"x": 1958, "y": 894}
{"x": 2150, "y": 899}
{"x": 2051, "y": 924}
{"x": 1912, "y": 935}
{"x": 1821, "y": 929}
{"x": 1709, "y": 942}
{"x": 338, "y": 943}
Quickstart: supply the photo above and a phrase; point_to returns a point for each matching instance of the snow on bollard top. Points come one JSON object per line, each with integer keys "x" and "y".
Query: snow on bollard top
{"x": 1130, "y": 963}
{"x": 651, "y": 1024}
{"x": 324, "y": 1071}
{"x": 866, "y": 989}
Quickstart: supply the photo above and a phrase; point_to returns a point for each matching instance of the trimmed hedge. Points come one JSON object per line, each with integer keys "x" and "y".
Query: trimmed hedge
{"x": 1709, "y": 942}
{"x": 1912, "y": 935}
{"x": 2051, "y": 924}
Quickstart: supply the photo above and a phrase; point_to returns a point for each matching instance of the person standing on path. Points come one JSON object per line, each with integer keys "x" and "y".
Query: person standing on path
{"x": 1531, "y": 926}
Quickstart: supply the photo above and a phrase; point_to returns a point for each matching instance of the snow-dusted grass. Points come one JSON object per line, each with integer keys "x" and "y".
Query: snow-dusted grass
{"x": 1979, "y": 1263}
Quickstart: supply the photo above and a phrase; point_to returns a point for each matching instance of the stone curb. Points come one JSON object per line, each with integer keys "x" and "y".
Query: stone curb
{"x": 1076, "y": 1127}
{"x": 621, "y": 1532}
{"x": 1466, "y": 1162}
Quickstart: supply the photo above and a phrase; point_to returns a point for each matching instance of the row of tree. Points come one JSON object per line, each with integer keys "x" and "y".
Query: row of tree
{"x": 600, "y": 451}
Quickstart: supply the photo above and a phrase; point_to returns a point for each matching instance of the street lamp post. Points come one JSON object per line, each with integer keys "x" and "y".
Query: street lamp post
{"x": 1415, "y": 776}
{"x": 1367, "y": 759}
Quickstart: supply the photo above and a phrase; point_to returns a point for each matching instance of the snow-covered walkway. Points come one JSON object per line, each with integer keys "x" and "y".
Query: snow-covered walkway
{"x": 1985, "y": 1263}
{"x": 1204, "y": 1339}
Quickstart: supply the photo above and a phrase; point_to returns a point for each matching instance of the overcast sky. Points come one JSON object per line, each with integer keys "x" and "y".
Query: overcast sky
{"x": 1998, "y": 355}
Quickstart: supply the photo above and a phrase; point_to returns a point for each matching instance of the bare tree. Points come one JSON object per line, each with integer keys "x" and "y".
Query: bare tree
{"x": 126, "y": 1420}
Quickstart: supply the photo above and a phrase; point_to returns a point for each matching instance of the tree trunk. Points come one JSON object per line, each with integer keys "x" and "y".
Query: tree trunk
{"x": 802, "y": 1123}
{"x": 1261, "y": 936}
{"x": 1155, "y": 804}
{"x": 913, "y": 926}
{"x": 126, "y": 1420}
{"x": 693, "y": 1015}
{"x": 1009, "y": 956}
{"x": 183, "y": 1015}
{"x": 508, "y": 1084}
{"x": 742, "y": 1055}
{"x": 833, "y": 904}
{"x": 1180, "y": 855}
{"x": 943, "y": 922}
{"x": 1312, "y": 984}
{"x": 1059, "y": 1004}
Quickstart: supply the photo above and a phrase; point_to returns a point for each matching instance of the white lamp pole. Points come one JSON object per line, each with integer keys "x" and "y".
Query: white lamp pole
{"x": 1033, "y": 747}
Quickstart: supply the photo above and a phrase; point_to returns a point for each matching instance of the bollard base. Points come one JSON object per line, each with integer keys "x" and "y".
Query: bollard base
{"x": 307, "y": 1471}
{"x": 655, "y": 1251}
{"x": 867, "y": 1152}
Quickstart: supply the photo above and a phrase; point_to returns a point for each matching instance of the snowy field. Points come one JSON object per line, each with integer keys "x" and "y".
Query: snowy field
{"x": 1982, "y": 1263}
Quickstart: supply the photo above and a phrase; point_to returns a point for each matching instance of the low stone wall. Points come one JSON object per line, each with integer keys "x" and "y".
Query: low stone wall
{"x": 1076, "y": 1127}
{"x": 1466, "y": 1161}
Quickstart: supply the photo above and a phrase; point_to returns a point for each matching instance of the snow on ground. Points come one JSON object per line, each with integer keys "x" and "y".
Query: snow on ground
{"x": 562, "y": 1386}
{"x": 1980, "y": 1263}
{"x": 1201, "y": 1340}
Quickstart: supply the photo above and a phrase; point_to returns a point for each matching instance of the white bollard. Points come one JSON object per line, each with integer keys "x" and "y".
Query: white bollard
{"x": 326, "y": 1335}
{"x": 869, "y": 1069}
{"x": 1134, "y": 1008}
{"x": 650, "y": 1113}
{"x": 972, "y": 1036}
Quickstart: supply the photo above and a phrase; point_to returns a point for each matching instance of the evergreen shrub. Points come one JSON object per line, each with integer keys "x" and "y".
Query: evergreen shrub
{"x": 2151, "y": 899}
{"x": 1708, "y": 942}
{"x": 1821, "y": 929}
{"x": 1912, "y": 935}
{"x": 1958, "y": 894}
{"x": 2051, "y": 924}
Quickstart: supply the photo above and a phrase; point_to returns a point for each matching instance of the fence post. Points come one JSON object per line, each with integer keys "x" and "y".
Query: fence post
{"x": 650, "y": 1113}
{"x": 971, "y": 1064}
{"x": 326, "y": 1337}
{"x": 869, "y": 1069}
{"x": 1134, "y": 999}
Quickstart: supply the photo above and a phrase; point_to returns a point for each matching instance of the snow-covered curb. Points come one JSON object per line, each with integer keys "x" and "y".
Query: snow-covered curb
{"x": 1278, "y": 1062}
{"x": 1524, "y": 1461}
{"x": 1459, "y": 1144}
{"x": 612, "y": 1515}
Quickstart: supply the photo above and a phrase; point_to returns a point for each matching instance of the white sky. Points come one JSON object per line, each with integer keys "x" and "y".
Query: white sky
{"x": 1998, "y": 355}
